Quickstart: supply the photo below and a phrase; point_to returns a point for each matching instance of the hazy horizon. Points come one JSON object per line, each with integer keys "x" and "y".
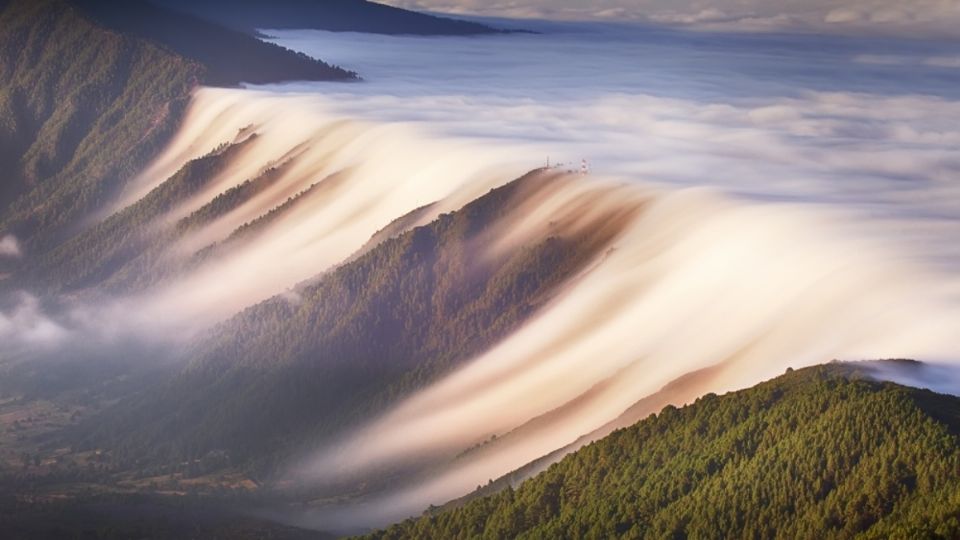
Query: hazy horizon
{"x": 917, "y": 19}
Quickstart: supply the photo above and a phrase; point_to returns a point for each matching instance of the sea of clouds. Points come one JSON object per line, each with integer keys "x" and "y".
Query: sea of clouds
{"x": 918, "y": 18}
{"x": 862, "y": 129}
{"x": 865, "y": 126}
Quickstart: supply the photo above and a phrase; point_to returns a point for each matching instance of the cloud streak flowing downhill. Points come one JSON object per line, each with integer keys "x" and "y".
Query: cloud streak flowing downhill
{"x": 695, "y": 282}
{"x": 823, "y": 232}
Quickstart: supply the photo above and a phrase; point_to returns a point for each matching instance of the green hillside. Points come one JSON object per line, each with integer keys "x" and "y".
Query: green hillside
{"x": 816, "y": 453}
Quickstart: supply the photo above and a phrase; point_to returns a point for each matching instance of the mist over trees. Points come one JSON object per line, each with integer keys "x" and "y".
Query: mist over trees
{"x": 300, "y": 368}
{"x": 816, "y": 453}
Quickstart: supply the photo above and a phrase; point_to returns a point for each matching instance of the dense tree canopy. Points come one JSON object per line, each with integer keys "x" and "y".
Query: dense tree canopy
{"x": 81, "y": 110}
{"x": 817, "y": 453}
{"x": 90, "y": 90}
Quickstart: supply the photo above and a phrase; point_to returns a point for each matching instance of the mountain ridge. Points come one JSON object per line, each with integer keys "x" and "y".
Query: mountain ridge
{"x": 330, "y": 15}
{"x": 92, "y": 90}
{"x": 268, "y": 347}
{"x": 822, "y": 451}
{"x": 231, "y": 57}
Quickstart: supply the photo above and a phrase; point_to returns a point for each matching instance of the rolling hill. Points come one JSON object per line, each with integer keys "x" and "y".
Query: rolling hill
{"x": 822, "y": 452}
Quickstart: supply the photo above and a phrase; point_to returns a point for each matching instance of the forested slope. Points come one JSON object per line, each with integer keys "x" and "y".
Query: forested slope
{"x": 91, "y": 257}
{"x": 816, "y": 453}
{"x": 303, "y": 366}
{"x": 90, "y": 91}
{"x": 80, "y": 109}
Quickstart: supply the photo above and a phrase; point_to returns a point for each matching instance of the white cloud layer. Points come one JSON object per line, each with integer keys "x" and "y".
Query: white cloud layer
{"x": 917, "y": 17}
{"x": 870, "y": 129}
{"x": 850, "y": 253}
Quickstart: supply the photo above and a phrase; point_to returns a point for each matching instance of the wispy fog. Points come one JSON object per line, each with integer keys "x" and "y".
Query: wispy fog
{"x": 938, "y": 377}
{"x": 23, "y": 324}
{"x": 9, "y": 247}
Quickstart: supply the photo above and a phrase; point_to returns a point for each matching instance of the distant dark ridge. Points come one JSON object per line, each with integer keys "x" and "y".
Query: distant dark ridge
{"x": 230, "y": 56}
{"x": 331, "y": 15}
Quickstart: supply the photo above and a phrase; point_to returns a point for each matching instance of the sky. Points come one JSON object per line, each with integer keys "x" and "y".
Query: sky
{"x": 912, "y": 18}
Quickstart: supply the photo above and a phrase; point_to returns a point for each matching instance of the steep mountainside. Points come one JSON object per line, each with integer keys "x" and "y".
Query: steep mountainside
{"x": 80, "y": 108}
{"x": 94, "y": 255}
{"x": 816, "y": 453}
{"x": 333, "y": 15}
{"x": 302, "y": 366}
{"x": 681, "y": 390}
{"x": 91, "y": 90}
